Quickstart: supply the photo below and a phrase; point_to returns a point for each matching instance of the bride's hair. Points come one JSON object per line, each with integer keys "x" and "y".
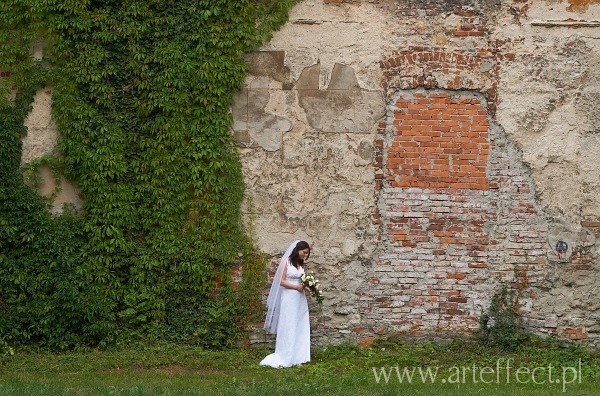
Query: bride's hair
{"x": 295, "y": 258}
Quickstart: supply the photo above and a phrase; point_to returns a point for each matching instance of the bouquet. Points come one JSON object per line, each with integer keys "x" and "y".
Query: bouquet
{"x": 312, "y": 283}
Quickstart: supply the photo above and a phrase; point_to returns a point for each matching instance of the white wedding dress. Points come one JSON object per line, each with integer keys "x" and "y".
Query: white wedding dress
{"x": 292, "y": 345}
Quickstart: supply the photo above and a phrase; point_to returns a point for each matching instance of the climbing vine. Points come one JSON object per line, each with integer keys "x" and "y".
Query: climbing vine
{"x": 501, "y": 325}
{"x": 141, "y": 95}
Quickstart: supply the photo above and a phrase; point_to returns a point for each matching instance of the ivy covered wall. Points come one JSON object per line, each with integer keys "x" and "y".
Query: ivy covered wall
{"x": 141, "y": 97}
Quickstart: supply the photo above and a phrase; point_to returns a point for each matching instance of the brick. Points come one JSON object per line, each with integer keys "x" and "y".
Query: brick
{"x": 590, "y": 223}
{"x": 459, "y": 179}
{"x": 458, "y": 299}
{"x": 575, "y": 333}
{"x": 367, "y": 342}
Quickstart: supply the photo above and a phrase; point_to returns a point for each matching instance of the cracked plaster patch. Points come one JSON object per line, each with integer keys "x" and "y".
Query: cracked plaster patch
{"x": 563, "y": 238}
{"x": 343, "y": 106}
{"x": 253, "y": 124}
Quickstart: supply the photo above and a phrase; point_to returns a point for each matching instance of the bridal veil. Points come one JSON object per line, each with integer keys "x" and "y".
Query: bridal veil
{"x": 274, "y": 300}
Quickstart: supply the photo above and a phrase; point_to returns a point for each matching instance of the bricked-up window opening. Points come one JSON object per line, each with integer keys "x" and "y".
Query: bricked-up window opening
{"x": 435, "y": 204}
{"x": 436, "y": 160}
{"x": 455, "y": 207}
{"x": 441, "y": 141}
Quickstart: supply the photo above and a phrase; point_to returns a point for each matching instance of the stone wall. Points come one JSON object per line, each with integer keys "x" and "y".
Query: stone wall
{"x": 432, "y": 151}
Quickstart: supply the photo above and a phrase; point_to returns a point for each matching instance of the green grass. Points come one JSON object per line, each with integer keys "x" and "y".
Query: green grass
{"x": 165, "y": 369}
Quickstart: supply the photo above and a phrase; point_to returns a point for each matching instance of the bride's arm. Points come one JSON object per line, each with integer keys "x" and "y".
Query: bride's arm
{"x": 287, "y": 284}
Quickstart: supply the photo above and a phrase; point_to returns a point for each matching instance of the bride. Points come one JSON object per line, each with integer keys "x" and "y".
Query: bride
{"x": 287, "y": 310}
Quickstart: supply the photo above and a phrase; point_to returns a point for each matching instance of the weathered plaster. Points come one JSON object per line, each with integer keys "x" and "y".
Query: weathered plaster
{"x": 540, "y": 85}
{"x": 40, "y": 141}
{"x": 41, "y": 131}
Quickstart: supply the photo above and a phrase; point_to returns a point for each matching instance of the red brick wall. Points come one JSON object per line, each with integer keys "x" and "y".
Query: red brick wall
{"x": 456, "y": 206}
{"x": 440, "y": 142}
